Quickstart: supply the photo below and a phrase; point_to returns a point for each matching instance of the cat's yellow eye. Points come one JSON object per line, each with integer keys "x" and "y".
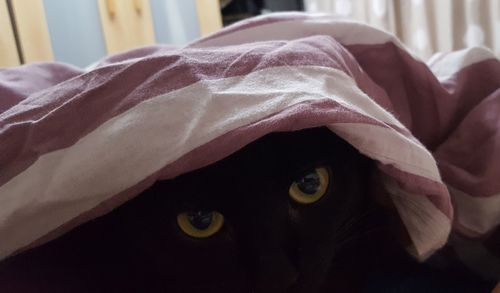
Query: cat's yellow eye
{"x": 200, "y": 224}
{"x": 310, "y": 187}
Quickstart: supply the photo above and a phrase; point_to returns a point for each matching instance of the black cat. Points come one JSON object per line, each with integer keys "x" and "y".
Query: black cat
{"x": 291, "y": 212}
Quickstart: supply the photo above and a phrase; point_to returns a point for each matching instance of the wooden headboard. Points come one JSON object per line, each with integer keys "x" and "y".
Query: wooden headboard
{"x": 25, "y": 36}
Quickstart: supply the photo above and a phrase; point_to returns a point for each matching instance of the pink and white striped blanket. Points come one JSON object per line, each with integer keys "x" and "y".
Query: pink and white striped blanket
{"x": 76, "y": 143}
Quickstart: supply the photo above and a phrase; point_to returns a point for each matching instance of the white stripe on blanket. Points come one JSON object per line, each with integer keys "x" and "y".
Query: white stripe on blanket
{"x": 426, "y": 224}
{"x": 477, "y": 214}
{"x": 411, "y": 158}
{"x": 445, "y": 65}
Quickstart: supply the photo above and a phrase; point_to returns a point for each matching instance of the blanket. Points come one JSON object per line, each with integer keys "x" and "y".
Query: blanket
{"x": 76, "y": 143}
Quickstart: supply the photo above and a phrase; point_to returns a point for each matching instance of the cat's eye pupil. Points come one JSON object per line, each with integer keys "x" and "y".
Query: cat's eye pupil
{"x": 201, "y": 220}
{"x": 309, "y": 184}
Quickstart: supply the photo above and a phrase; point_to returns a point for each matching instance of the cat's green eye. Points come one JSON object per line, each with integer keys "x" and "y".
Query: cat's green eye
{"x": 200, "y": 224}
{"x": 310, "y": 187}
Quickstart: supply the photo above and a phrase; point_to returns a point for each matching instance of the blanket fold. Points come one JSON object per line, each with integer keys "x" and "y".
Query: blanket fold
{"x": 76, "y": 143}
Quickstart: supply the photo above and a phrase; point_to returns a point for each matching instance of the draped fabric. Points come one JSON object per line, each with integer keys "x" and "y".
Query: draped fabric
{"x": 157, "y": 112}
{"x": 425, "y": 26}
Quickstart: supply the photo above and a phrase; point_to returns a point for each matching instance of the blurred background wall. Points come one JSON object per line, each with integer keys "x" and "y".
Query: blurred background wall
{"x": 81, "y": 32}
{"x": 425, "y": 26}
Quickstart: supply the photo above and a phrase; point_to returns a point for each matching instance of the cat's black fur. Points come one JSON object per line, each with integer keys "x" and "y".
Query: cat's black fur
{"x": 268, "y": 243}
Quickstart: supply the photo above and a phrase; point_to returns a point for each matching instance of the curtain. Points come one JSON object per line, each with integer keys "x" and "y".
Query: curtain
{"x": 425, "y": 26}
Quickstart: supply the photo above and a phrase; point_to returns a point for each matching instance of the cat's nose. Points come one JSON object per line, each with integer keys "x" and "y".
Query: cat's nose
{"x": 275, "y": 273}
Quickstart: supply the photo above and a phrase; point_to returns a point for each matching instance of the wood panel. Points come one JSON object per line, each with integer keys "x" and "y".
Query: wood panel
{"x": 209, "y": 16}
{"x": 32, "y": 30}
{"x": 126, "y": 24}
{"x": 8, "y": 49}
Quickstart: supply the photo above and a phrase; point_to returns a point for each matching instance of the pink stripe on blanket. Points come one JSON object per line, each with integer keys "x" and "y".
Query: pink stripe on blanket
{"x": 142, "y": 52}
{"x": 45, "y": 128}
{"x": 473, "y": 149}
{"x": 17, "y": 83}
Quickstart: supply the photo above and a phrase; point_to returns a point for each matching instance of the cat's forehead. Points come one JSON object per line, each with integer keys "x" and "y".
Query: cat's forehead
{"x": 289, "y": 149}
{"x": 286, "y": 152}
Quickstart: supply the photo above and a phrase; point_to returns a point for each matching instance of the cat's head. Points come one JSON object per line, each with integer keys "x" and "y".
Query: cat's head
{"x": 278, "y": 216}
